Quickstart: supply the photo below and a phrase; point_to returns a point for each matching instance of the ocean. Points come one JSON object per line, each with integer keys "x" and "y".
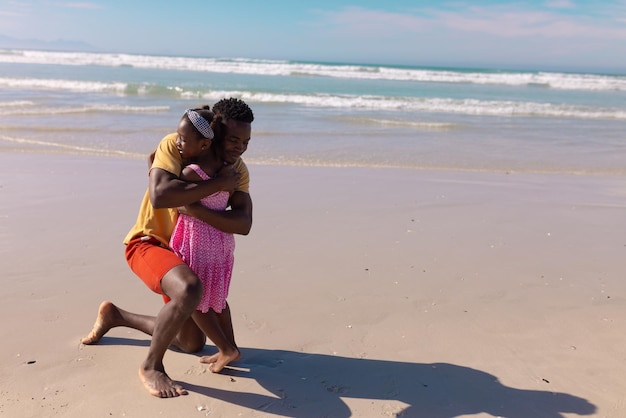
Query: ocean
{"x": 320, "y": 114}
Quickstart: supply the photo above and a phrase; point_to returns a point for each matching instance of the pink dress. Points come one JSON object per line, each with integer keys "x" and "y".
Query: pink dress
{"x": 206, "y": 250}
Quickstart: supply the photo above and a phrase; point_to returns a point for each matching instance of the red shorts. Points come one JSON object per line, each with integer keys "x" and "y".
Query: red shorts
{"x": 150, "y": 261}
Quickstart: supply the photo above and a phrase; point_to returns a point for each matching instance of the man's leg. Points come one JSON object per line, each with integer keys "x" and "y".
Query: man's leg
{"x": 164, "y": 273}
{"x": 184, "y": 289}
{"x": 190, "y": 339}
{"x": 173, "y": 325}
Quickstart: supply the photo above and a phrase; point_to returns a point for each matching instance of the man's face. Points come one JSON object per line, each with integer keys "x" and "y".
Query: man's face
{"x": 236, "y": 140}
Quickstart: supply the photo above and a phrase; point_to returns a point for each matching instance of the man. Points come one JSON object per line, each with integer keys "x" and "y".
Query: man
{"x": 149, "y": 256}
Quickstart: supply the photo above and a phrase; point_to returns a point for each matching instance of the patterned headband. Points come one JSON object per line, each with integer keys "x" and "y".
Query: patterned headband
{"x": 200, "y": 123}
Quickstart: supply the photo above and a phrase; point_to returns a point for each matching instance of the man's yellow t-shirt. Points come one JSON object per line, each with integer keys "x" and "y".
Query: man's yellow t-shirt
{"x": 159, "y": 223}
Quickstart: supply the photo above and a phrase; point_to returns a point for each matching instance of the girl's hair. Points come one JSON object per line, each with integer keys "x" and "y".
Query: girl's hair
{"x": 207, "y": 114}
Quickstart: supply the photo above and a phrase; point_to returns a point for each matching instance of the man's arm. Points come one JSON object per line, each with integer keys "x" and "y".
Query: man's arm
{"x": 237, "y": 220}
{"x": 169, "y": 191}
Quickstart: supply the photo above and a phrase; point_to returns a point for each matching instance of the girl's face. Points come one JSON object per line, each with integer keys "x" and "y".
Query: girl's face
{"x": 189, "y": 143}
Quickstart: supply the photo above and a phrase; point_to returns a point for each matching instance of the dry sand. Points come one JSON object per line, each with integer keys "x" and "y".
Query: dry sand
{"x": 359, "y": 293}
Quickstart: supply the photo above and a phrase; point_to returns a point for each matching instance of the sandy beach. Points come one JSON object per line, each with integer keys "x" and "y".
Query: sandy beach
{"x": 358, "y": 293}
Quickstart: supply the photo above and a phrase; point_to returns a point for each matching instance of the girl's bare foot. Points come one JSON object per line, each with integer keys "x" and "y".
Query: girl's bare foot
{"x": 159, "y": 384}
{"x": 220, "y": 360}
{"x": 108, "y": 317}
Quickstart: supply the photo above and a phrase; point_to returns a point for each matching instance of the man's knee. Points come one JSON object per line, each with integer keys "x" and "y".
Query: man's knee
{"x": 194, "y": 344}
{"x": 191, "y": 339}
{"x": 193, "y": 290}
{"x": 191, "y": 343}
{"x": 182, "y": 285}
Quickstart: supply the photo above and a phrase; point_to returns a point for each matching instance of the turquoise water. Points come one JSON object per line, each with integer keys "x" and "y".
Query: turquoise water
{"x": 320, "y": 114}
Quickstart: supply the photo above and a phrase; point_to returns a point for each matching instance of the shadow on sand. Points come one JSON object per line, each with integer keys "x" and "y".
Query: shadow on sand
{"x": 314, "y": 385}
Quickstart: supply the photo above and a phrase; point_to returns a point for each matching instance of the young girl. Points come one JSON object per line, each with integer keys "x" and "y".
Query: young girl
{"x": 207, "y": 250}
{"x": 204, "y": 248}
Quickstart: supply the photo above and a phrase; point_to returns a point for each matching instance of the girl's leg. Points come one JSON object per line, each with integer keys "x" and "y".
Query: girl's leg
{"x": 211, "y": 324}
{"x": 226, "y": 324}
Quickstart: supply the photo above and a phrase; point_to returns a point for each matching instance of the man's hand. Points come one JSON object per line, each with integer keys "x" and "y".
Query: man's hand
{"x": 151, "y": 159}
{"x": 189, "y": 209}
{"x": 237, "y": 220}
{"x": 229, "y": 178}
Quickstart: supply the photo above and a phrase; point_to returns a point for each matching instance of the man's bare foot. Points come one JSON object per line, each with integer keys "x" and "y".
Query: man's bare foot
{"x": 220, "y": 360}
{"x": 159, "y": 384}
{"x": 108, "y": 317}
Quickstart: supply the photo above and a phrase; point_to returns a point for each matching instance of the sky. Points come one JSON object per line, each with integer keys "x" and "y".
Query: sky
{"x": 550, "y": 34}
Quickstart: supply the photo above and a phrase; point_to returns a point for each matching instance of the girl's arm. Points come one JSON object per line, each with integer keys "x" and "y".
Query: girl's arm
{"x": 190, "y": 175}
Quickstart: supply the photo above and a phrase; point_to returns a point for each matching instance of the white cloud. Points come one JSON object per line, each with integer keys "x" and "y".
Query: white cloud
{"x": 499, "y": 21}
{"x": 520, "y": 23}
{"x": 84, "y": 5}
{"x": 560, "y": 4}
{"x": 363, "y": 20}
